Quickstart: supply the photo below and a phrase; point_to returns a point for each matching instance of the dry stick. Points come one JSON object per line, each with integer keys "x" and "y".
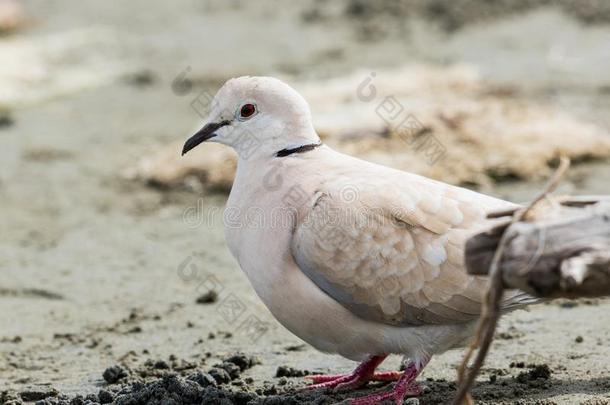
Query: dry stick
{"x": 491, "y": 311}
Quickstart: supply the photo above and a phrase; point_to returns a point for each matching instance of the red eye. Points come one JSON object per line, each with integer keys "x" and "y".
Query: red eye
{"x": 247, "y": 110}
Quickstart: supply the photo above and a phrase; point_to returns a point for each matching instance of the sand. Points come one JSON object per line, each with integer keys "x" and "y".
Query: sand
{"x": 99, "y": 270}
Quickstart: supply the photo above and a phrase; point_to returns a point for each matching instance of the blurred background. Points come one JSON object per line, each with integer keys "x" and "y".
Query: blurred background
{"x": 112, "y": 254}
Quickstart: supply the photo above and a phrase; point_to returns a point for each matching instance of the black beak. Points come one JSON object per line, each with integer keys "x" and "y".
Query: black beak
{"x": 203, "y": 135}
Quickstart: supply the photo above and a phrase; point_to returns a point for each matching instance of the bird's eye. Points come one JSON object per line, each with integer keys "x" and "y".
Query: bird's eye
{"x": 247, "y": 110}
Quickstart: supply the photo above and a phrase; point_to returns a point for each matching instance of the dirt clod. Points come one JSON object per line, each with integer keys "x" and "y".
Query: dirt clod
{"x": 287, "y": 371}
{"x": 114, "y": 374}
{"x": 536, "y": 375}
{"x": 37, "y": 394}
{"x": 243, "y": 361}
{"x": 220, "y": 375}
{"x": 170, "y": 389}
{"x": 203, "y": 379}
{"x": 143, "y": 78}
{"x": 161, "y": 365}
{"x": 232, "y": 369}
{"x": 105, "y": 397}
{"x": 209, "y": 297}
{"x": 6, "y": 121}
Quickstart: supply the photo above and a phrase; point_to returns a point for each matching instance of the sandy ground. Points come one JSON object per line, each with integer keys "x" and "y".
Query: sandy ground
{"x": 99, "y": 271}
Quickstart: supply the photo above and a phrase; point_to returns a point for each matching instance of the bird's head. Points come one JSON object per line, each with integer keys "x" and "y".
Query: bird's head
{"x": 258, "y": 117}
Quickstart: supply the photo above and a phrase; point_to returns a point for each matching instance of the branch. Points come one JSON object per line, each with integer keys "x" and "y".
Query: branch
{"x": 491, "y": 306}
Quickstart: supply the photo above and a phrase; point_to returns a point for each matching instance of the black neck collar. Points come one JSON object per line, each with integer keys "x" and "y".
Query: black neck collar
{"x": 300, "y": 149}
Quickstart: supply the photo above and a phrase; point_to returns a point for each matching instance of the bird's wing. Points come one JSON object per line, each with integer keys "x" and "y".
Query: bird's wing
{"x": 393, "y": 253}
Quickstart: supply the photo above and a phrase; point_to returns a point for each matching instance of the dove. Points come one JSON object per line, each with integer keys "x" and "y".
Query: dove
{"x": 354, "y": 258}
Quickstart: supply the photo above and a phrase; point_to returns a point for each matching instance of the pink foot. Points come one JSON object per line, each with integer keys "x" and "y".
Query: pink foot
{"x": 405, "y": 387}
{"x": 361, "y": 375}
{"x": 387, "y": 376}
{"x": 398, "y": 394}
{"x": 381, "y": 376}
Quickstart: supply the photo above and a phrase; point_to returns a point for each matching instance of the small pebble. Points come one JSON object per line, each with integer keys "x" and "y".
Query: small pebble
{"x": 209, "y": 297}
{"x": 6, "y": 121}
{"x": 161, "y": 365}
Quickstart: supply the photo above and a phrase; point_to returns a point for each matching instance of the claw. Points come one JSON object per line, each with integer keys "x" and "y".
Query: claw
{"x": 361, "y": 375}
{"x": 398, "y": 394}
{"x": 405, "y": 387}
{"x": 381, "y": 376}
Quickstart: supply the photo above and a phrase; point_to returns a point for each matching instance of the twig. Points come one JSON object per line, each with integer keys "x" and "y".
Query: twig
{"x": 491, "y": 311}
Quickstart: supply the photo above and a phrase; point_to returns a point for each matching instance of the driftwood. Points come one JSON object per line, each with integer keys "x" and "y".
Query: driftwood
{"x": 562, "y": 249}
{"x": 556, "y": 248}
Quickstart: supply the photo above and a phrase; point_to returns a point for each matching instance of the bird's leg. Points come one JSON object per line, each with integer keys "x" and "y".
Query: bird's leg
{"x": 363, "y": 373}
{"x": 405, "y": 387}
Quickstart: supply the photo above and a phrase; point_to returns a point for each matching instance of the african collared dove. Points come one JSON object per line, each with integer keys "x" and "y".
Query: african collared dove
{"x": 352, "y": 257}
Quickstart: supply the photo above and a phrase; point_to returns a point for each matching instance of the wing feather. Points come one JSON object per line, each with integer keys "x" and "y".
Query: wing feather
{"x": 395, "y": 256}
